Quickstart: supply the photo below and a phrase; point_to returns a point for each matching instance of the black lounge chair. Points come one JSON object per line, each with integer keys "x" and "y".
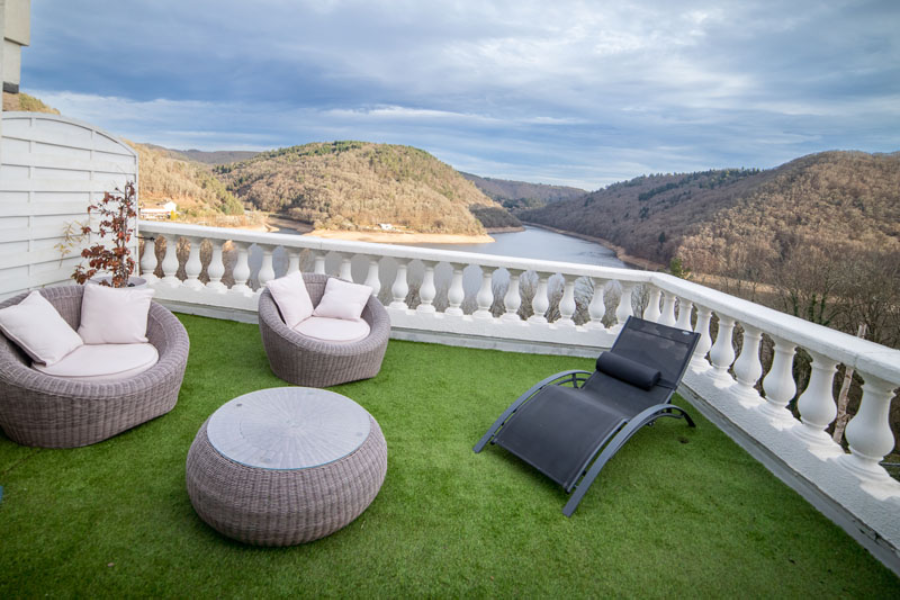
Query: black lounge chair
{"x": 559, "y": 429}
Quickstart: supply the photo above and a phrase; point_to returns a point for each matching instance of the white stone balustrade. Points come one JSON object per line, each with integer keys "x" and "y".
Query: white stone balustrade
{"x": 722, "y": 353}
{"x": 748, "y": 368}
{"x": 849, "y": 480}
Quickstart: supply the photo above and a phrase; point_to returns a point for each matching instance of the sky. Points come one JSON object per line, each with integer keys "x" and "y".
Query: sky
{"x": 567, "y": 93}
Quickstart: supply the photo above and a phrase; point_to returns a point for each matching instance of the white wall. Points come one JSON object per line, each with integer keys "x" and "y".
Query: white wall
{"x": 51, "y": 169}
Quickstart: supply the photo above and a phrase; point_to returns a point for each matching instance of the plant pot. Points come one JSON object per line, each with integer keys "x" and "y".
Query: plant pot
{"x": 134, "y": 283}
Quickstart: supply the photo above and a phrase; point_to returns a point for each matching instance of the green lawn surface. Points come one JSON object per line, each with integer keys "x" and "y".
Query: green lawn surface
{"x": 679, "y": 512}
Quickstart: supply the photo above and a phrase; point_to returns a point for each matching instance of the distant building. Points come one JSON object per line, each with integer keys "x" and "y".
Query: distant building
{"x": 159, "y": 212}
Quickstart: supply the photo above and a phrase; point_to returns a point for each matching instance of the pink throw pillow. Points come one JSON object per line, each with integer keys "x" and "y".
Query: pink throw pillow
{"x": 291, "y": 298}
{"x": 36, "y": 327}
{"x": 114, "y": 315}
{"x": 343, "y": 300}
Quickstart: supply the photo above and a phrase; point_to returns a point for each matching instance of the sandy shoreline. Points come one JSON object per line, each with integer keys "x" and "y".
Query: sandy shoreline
{"x": 379, "y": 237}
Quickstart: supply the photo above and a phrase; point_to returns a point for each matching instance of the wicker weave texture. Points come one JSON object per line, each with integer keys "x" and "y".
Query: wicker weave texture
{"x": 53, "y": 412}
{"x": 267, "y": 507}
{"x": 307, "y": 362}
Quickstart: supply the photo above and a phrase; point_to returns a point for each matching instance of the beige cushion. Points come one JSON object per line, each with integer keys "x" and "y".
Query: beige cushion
{"x": 291, "y": 297}
{"x": 35, "y": 326}
{"x": 114, "y": 315}
{"x": 343, "y": 300}
{"x": 326, "y": 329}
{"x": 103, "y": 361}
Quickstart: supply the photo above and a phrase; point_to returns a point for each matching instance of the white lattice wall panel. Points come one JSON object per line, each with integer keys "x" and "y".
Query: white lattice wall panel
{"x": 52, "y": 169}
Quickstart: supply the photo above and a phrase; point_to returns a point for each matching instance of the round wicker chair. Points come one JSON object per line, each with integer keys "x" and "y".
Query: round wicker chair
{"x": 304, "y": 361}
{"x": 53, "y": 412}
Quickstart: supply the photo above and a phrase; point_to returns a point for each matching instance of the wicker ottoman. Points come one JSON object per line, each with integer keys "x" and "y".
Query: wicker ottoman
{"x": 286, "y": 465}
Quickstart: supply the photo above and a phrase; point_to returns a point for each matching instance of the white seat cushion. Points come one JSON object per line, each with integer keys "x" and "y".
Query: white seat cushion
{"x": 326, "y": 329}
{"x": 103, "y": 361}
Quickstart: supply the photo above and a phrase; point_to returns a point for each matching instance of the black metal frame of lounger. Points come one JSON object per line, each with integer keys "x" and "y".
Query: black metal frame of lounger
{"x": 619, "y": 433}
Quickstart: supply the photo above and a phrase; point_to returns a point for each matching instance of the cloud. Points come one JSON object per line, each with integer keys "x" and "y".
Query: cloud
{"x": 583, "y": 92}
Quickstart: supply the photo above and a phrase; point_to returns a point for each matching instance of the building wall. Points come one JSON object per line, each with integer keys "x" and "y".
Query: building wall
{"x": 16, "y": 33}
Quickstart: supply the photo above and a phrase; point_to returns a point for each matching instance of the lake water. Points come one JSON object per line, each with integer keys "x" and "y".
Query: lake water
{"x": 541, "y": 244}
{"x": 537, "y": 243}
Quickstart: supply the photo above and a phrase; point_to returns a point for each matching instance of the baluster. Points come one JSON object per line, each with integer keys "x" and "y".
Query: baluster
{"x": 456, "y": 294}
{"x": 597, "y": 307}
{"x": 651, "y": 313}
{"x": 346, "y": 273}
{"x": 685, "y": 309}
{"x": 170, "y": 262}
{"x": 625, "y": 310}
{"x": 567, "y": 304}
{"x": 427, "y": 292}
{"x": 148, "y": 260}
{"x": 722, "y": 352}
{"x": 869, "y": 433}
{"x": 698, "y": 361}
{"x": 320, "y": 264}
{"x": 216, "y": 269}
{"x": 668, "y": 311}
{"x": 541, "y": 301}
{"x": 816, "y": 404}
{"x": 748, "y": 368}
{"x": 485, "y": 297}
{"x": 513, "y": 298}
{"x": 400, "y": 288}
{"x": 779, "y": 383}
{"x": 267, "y": 269}
{"x": 193, "y": 266}
{"x": 293, "y": 261}
{"x": 241, "y": 272}
{"x": 372, "y": 279}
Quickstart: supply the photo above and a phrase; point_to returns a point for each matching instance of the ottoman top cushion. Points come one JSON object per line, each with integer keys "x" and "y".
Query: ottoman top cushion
{"x": 288, "y": 428}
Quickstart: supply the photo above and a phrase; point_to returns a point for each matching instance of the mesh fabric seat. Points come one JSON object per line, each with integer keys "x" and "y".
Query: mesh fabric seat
{"x": 563, "y": 423}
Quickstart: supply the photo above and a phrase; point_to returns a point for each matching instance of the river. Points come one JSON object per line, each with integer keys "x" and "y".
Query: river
{"x": 541, "y": 244}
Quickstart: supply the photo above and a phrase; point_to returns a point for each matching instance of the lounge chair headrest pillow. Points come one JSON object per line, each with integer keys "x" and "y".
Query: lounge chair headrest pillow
{"x": 627, "y": 370}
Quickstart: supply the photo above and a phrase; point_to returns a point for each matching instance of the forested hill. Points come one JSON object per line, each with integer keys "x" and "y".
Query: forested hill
{"x": 521, "y": 194}
{"x": 357, "y": 186}
{"x": 722, "y": 220}
{"x": 190, "y": 184}
{"x": 216, "y": 157}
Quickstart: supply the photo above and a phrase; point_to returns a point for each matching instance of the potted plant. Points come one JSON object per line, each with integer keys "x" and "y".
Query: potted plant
{"x": 116, "y": 211}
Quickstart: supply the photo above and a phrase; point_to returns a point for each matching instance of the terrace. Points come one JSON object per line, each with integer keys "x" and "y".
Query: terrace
{"x": 677, "y": 511}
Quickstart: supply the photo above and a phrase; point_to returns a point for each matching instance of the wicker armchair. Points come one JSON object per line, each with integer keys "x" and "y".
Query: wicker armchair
{"x": 53, "y": 412}
{"x": 304, "y": 361}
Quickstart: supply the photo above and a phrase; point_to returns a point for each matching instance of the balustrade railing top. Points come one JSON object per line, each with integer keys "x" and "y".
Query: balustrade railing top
{"x": 390, "y": 250}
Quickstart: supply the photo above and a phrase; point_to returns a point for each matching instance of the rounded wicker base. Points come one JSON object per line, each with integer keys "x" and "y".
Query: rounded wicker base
{"x": 283, "y": 507}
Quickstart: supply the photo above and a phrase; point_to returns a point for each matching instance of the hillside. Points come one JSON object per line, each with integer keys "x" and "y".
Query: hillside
{"x": 521, "y": 194}
{"x": 847, "y": 198}
{"x": 191, "y": 185}
{"x": 26, "y": 103}
{"x": 355, "y": 186}
{"x": 217, "y": 157}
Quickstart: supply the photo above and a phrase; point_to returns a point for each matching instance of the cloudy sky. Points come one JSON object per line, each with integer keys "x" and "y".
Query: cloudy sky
{"x": 578, "y": 93}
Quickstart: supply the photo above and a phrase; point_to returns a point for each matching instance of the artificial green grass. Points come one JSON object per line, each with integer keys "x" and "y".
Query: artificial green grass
{"x": 679, "y": 511}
